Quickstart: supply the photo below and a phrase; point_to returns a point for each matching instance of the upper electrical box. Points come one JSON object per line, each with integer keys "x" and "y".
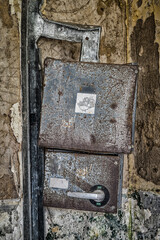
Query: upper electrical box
{"x": 88, "y": 106}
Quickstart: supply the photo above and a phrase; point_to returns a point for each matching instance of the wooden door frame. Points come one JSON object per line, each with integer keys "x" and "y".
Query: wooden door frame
{"x": 32, "y": 155}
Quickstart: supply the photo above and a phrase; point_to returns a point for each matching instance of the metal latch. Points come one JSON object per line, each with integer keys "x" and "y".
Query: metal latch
{"x": 98, "y": 196}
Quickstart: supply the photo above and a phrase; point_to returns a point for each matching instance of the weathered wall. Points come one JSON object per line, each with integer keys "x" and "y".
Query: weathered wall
{"x": 11, "y": 220}
{"x": 9, "y": 99}
{"x": 130, "y": 33}
{"x": 10, "y": 120}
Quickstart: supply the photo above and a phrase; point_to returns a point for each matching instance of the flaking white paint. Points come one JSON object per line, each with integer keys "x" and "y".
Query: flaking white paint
{"x": 16, "y": 121}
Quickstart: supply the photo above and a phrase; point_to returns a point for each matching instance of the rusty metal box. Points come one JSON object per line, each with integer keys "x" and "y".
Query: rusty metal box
{"x": 75, "y": 172}
{"x": 87, "y": 106}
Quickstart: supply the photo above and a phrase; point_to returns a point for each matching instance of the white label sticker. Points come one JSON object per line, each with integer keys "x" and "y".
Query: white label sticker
{"x": 85, "y": 103}
{"x": 58, "y": 183}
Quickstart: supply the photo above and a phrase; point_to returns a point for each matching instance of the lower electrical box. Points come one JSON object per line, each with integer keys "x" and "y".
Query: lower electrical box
{"x": 83, "y": 181}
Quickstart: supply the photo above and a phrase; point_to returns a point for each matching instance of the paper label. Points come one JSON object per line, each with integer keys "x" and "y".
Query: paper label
{"x": 85, "y": 103}
{"x": 58, "y": 183}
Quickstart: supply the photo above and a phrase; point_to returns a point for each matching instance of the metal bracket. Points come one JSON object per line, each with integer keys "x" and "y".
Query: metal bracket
{"x": 89, "y": 36}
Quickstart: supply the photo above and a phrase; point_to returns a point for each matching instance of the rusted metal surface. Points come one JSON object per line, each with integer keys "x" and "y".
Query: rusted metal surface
{"x": 82, "y": 172}
{"x": 87, "y": 106}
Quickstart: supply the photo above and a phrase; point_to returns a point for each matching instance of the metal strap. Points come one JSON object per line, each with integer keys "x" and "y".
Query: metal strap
{"x": 89, "y": 37}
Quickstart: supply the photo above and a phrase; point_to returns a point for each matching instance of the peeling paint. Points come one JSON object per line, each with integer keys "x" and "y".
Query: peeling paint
{"x": 7, "y": 20}
{"x": 16, "y": 121}
{"x": 9, "y": 95}
{"x": 133, "y": 14}
{"x": 16, "y": 8}
{"x": 43, "y": 6}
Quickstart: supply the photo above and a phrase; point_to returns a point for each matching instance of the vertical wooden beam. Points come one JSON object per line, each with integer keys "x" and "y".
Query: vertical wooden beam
{"x": 33, "y": 160}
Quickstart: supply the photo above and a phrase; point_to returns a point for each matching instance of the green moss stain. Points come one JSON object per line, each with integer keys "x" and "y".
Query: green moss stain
{"x": 138, "y": 219}
{"x": 130, "y": 233}
{"x": 107, "y": 226}
{"x": 50, "y": 235}
{"x": 136, "y": 196}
